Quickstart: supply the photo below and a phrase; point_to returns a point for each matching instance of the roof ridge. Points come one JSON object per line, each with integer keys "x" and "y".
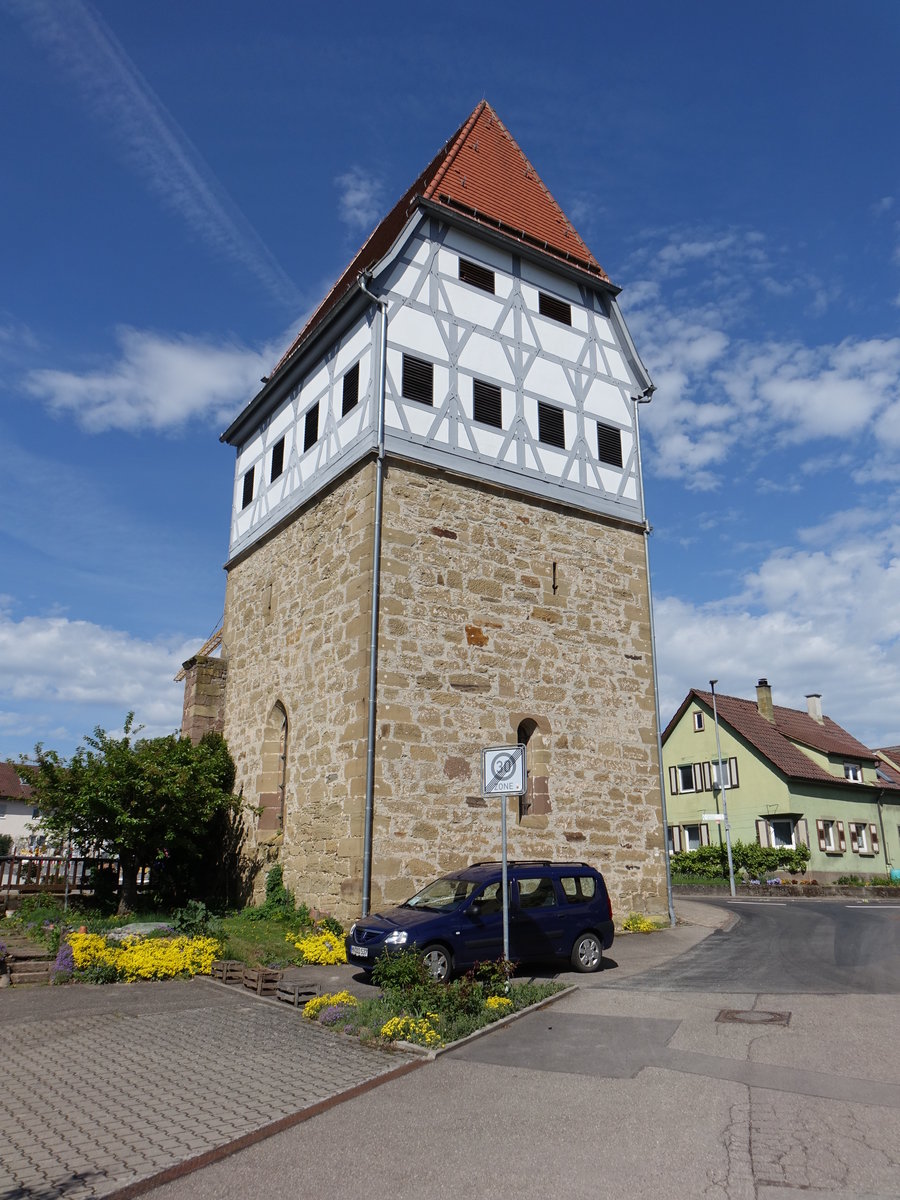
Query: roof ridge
{"x": 458, "y": 143}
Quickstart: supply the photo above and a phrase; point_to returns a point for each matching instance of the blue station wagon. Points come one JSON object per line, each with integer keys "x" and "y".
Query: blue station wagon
{"x": 556, "y": 911}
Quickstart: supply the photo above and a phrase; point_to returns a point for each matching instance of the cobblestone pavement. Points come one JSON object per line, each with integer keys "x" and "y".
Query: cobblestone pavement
{"x": 103, "y": 1087}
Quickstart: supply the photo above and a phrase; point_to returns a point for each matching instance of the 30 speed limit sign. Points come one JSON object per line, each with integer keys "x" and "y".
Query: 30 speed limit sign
{"x": 503, "y": 771}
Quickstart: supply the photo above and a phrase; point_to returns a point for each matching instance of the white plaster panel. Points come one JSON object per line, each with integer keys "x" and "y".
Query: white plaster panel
{"x": 558, "y": 339}
{"x": 416, "y": 333}
{"x": 487, "y": 440}
{"x": 279, "y": 425}
{"x": 604, "y": 400}
{"x": 553, "y": 461}
{"x": 483, "y": 356}
{"x": 548, "y": 380}
{"x": 419, "y": 417}
{"x": 461, "y": 244}
{"x": 602, "y": 328}
{"x": 616, "y": 364}
{"x": 250, "y": 454}
{"x": 472, "y": 304}
{"x": 546, "y": 281}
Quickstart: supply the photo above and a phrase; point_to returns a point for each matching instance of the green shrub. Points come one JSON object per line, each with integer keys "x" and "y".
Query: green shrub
{"x": 193, "y": 920}
{"x": 279, "y": 902}
{"x": 327, "y": 924}
{"x": 6, "y": 842}
{"x": 711, "y": 862}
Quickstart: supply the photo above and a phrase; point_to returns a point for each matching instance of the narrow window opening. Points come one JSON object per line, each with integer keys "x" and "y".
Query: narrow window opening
{"x": 277, "y": 460}
{"x": 555, "y": 585}
{"x": 609, "y": 444}
{"x": 418, "y": 379}
{"x": 698, "y": 722}
{"x": 487, "y": 405}
{"x": 350, "y": 397}
{"x": 311, "y": 427}
{"x": 551, "y": 425}
{"x": 536, "y": 801}
{"x": 556, "y": 310}
{"x": 478, "y": 276}
{"x": 247, "y": 494}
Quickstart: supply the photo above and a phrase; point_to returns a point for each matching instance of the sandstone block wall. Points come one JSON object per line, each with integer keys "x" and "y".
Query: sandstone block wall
{"x": 498, "y": 613}
{"x": 204, "y": 697}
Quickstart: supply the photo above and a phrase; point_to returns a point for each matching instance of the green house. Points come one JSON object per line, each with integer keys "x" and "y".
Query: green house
{"x": 790, "y": 778}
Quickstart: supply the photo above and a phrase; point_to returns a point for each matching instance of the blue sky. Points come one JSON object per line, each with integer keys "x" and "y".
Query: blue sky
{"x": 183, "y": 182}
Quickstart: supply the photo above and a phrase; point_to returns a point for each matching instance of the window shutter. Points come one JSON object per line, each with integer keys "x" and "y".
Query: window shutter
{"x": 698, "y": 777}
{"x": 673, "y": 781}
{"x": 802, "y": 832}
{"x": 820, "y": 833}
{"x": 762, "y": 832}
{"x": 732, "y": 772}
{"x": 873, "y": 833}
{"x": 842, "y": 841}
{"x": 707, "y": 777}
{"x": 676, "y": 838}
{"x": 854, "y": 840}
{"x": 704, "y": 835}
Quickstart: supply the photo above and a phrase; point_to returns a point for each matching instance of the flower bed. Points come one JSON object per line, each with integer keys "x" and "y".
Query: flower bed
{"x": 97, "y": 960}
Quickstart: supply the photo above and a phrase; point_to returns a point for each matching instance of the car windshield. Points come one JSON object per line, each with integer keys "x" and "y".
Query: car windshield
{"x": 444, "y": 895}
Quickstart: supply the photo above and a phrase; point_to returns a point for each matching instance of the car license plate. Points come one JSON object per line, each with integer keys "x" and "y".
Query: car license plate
{"x": 359, "y": 951}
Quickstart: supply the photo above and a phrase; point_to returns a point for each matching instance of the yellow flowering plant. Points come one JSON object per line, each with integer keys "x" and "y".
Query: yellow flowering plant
{"x": 312, "y": 1008}
{"x": 144, "y": 958}
{"x": 323, "y": 948}
{"x": 419, "y": 1030}
{"x": 498, "y": 1004}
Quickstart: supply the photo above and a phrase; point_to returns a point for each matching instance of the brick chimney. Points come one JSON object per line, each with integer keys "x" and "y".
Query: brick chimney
{"x": 764, "y": 700}
{"x": 814, "y": 706}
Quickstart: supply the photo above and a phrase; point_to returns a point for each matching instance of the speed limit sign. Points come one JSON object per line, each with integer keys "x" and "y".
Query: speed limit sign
{"x": 503, "y": 771}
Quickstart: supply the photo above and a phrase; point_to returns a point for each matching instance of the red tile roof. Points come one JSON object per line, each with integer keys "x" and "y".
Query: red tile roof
{"x": 11, "y": 786}
{"x": 482, "y": 174}
{"x": 774, "y": 740}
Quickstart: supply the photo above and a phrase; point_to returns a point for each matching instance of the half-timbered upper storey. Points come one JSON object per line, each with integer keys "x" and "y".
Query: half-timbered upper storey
{"x": 506, "y": 357}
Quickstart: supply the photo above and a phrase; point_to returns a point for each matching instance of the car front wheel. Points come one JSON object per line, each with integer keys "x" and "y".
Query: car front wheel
{"x": 437, "y": 963}
{"x": 587, "y": 953}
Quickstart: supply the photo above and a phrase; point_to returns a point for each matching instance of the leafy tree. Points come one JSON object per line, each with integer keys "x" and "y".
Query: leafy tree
{"x": 137, "y": 799}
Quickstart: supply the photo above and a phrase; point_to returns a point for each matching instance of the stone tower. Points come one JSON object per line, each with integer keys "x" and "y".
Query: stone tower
{"x": 438, "y": 545}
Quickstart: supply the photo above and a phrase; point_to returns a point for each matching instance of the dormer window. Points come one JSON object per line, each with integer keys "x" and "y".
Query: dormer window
{"x": 556, "y": 310}
{"x": 853, "y": 772}
{"x": 477, "y": 275}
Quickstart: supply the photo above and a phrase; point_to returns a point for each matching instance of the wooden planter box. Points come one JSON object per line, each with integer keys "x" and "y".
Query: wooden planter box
{"x": 228, "y": 970}
{"x": 296, "y": 993}
{"x": 262, "y": 980}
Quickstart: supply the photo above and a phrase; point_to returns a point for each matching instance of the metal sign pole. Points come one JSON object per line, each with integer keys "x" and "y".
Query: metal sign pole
{"x": 503, "y": 877}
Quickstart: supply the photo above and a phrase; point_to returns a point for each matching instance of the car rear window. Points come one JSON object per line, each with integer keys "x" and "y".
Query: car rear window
{"x": 578, "y": 888}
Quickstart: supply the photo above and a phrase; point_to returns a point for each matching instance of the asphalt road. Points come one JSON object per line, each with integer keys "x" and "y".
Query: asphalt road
{"x": 835, "y": 947}
{"x": 759, "y": 1064}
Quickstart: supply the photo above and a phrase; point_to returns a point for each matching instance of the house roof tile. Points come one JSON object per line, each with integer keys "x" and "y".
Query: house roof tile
{"x": 482, "y": 174}
{"x": 775, "y": 739}
{"x": 11, "y": 786}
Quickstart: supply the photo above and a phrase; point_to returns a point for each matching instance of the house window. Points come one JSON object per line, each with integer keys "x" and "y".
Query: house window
{"x": 556, "y": 310}
{"x": 247, "y": 494}
{"x": 853, "y": 772}
{"x": 781, "y": 833}
{"x": 863, "y": 839}
{"x": 350, "y": 398}
{"x": 698, "y": 722}
{"x": 487, "y": 406}
{"x": 478, "y": 276}
{"x": 551, "y": 425}
{"x": 831, "y": 836}
{"x": 277, "y": 460}
{"x": 609, "y": 444}
{"x": 418, "y": 379}
{"x": 683, "y": 779}
{"x": 311, "y": 427}
{"x": 690, "y": 837}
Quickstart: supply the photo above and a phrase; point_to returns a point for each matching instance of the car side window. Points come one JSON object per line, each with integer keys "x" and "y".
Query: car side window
{"x": 490, "y": 900}
{"x": 536, "y": 893}
{"x": 578, "y": 888}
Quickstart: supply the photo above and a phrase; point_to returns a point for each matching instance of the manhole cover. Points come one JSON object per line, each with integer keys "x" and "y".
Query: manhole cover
{"x": 753, "y": 1016}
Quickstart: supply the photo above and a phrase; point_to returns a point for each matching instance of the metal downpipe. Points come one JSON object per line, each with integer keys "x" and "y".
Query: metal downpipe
{"x": 636, "y": 400}
{"x": 376, "y": 599}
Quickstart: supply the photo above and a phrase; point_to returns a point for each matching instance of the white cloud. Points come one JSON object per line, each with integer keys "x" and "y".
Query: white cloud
{"x": 158, "y": 382}
{"x": 85, "y": 48}
{"x": 60, "y": 678}
{"x": 359, "y": 199}
{"x": 882, "y": 206}
{"x": 825, "y": 620}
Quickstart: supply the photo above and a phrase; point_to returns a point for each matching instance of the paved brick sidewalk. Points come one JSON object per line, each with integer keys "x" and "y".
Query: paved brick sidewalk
{"x": 106, "y": 1086}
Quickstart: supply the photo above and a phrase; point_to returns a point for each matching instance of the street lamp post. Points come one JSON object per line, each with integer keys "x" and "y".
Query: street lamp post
{"x": 722, "y": 786}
